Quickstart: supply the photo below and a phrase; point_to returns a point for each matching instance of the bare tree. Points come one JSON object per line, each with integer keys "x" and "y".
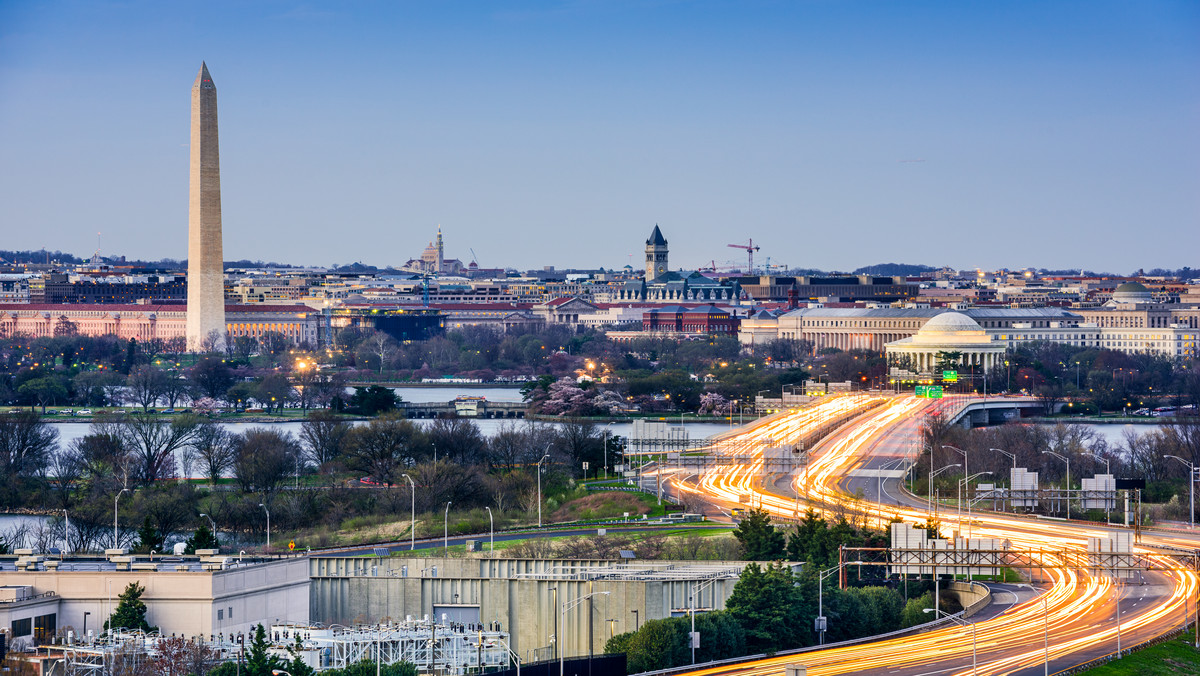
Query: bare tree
{"x": 26, "y": 442}
{"x": 323, "y": 436}
{"x": 381, "y": 447}
{"x": 382, "y": 346}
{"x": 145, "y": 385}
{"x": 263, "y": 459}
{"x": 152, "y": 444}
{"x": 214, "y": 448}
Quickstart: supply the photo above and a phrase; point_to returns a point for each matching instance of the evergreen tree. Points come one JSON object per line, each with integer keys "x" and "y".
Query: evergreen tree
{"x": 297, "y": 666}
{"x": 149, "y": 539}
{"x": 768, "y": 605}
{"x": 202, "y": 538}
{"x": 131, "y": 611}
{"x": 258, "y": 661}
{"x": 759, "y": 539}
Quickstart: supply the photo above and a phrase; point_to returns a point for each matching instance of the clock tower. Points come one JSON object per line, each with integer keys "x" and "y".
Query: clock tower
{"x": 656, "y": 255}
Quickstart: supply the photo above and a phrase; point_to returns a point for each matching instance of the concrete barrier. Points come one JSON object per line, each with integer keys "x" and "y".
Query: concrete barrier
{"x": 972, "y": 596}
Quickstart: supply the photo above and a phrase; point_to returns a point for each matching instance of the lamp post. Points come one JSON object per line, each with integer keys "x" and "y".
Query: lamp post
{"x": 879, "y": 486}
{"x": 821, "y": 597}
{"x": 606, "y": 449}
{"x": 1014, "y": 459}
{"x": 66, "y": 532}
{"x": 1107, "y": 472}
{"x": 1191, "y": 489}
{"x": 115, "y": 500}
{"x": 446, "y": 529}
{"x": 1068, "y": 461}
{"x": 539, "y": 477}
{"x": 268, "y": 523}
{"x": 412, "y": 527}
{"x": 1045, "y": 630}
{"x": 931, "y": 475}
{"x": 211, "y": 524}
{"x": 961, "y": 622}
{"x": 491, "y": 533}
{"x": 558, "y": 639}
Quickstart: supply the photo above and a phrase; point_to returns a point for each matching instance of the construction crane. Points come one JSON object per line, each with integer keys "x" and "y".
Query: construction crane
{"x": 749, "y": 249}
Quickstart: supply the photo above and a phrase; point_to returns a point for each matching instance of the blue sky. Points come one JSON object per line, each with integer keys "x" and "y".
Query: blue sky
{"x": 836, "y": 134}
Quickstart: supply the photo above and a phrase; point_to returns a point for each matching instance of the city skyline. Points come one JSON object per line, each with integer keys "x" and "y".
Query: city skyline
{"x": 1063, "y": 135}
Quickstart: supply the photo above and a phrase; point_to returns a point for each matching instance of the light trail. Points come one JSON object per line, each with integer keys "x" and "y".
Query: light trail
{"x": 1078, "y": 608}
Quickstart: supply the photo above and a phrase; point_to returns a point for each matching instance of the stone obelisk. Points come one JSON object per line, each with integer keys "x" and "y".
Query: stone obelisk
{"x": 206, "y": 278}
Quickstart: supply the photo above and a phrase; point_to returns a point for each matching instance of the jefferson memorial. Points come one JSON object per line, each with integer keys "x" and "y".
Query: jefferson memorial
{"x": 948, "y": 332}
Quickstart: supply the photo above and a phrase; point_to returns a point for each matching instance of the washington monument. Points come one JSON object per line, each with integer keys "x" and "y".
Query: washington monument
{"x": 205, "y": 279}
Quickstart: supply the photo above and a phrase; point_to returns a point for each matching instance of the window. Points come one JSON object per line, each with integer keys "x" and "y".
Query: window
{"x": 22, "y": 627}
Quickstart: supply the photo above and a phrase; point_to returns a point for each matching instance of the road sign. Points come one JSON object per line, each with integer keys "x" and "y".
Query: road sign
{"x": 934, "y": 392}
{"x": 922, "y": 391}
{"x": 585, "y": 466}
{"x": 292, "y": 545}
{"x": 820, "y": 623}
{"x": 950, "y": 376}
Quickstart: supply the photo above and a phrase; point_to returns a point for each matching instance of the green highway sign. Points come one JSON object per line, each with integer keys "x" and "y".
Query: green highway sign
{"x": 929, "y": 391}
{"x": 950, "y": 376}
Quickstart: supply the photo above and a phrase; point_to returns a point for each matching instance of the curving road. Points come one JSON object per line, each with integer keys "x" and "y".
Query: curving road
{"x": 1071, "y": 619}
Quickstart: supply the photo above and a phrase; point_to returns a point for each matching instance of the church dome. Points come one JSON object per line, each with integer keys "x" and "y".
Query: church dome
{"x": 948, "y": 322}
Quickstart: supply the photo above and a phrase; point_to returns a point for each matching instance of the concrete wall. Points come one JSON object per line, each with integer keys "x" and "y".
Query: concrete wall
{"x": 348, "y": 591}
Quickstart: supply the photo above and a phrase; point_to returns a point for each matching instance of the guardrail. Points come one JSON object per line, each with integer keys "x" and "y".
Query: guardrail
{"x": 917, "y": 629}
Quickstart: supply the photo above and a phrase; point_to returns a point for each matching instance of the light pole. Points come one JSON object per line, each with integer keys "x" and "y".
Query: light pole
{"x": 821, "y": 622}
{"x": 1107, "y": 472}
{"x": 879, "y": 487}
{"x": 966, "y": 481}
{"x": 1068, "y": 461}
{"x": 933, "y": 474}
{"x": 268, "y": 523}
{"x": 115, "y": 500}
{"x": 491, "y": 534}
{"x": 606, "y": 449}
{"x": 1046, "y": 628}
{"x": 1191, "y": 489}
{"x": 212, "y": 524}
{"x": 558, "y": 639}
{"x": 446, "y": 529}
{"x": 539, "y": 477}
{"x": 1014, "y": 459}
{"x": 412, "y": 526}
{"x": 963, "y": 623}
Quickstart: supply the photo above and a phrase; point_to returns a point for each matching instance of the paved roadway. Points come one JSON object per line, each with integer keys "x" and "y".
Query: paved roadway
{"x": 1077, "y": 611}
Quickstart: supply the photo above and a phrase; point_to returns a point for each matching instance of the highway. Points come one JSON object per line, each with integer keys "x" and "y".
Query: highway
{"x": 1070, "y": 620}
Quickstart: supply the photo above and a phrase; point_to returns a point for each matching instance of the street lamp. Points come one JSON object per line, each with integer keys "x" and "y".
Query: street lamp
{"x": 1068, "y": 461}
{"x": 539, "y": 477}
{"x": 565, "y": 608}
{"x": 966, "y": 481}
{"x": 1014, "y": 459}
{"x": 446, "y": 529}
{"x": 412, "y": 526}
{"x": 1191, "y": 489}
{"x": 491, "y": 534}
{"x": 115, "y": 500}
{"x": 931, "y": 475}
{"x": 268, "y": 524}
{"x": 606, "y": 447}
{"x": 821, "y": 621}
{"x": 211, "y": 524}
{"x": 961, "y": 622}
{"x": 1046, "y": 627}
